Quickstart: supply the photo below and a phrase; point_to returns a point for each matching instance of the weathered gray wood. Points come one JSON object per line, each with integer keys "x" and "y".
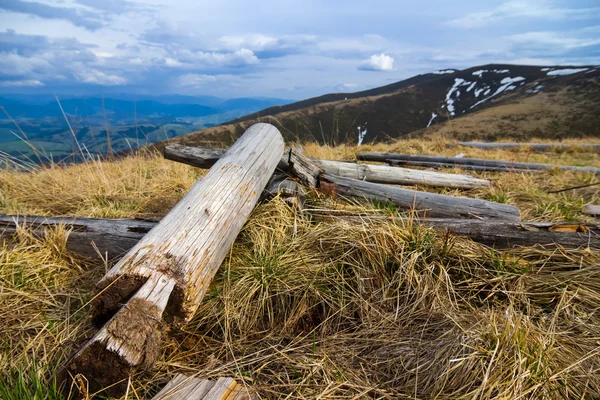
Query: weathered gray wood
{"x": 592, "y": 210}
{"x": 182, "y": 387}
{"x": 112, "y": 237}
{"x": 496, "y": 233}
{"x": 429, "y": 204}
{"x": 202, "y": 157}
{"x": 304, "y": 169}
{"x": 532, "y": 146}
{"x": 400, "y": 176}
{"x": 430, "y": 164}
{"x": 383, "y": 157}
{"x": 185, "y": 248}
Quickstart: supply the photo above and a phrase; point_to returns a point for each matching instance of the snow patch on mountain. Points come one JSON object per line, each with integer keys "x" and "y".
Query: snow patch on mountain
{"x": 444, "y": 71}
{"x": 471, "y": 87}
{"x": 480, "y": 72}
{"x": 433, "y": 116}
{"x": 362, "y": 132}
{"x": 501, "y": 71}
{"x": 449, "y": 99}
{"x": 536, "y": 89}
{"x": 507, "y": 85}
{"x": 566, "y": 71}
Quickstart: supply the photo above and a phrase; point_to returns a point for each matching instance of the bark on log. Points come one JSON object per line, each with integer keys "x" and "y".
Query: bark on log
{"x": 428, "y": 204}
{"x": 430, "y": 164}
{"x": 203, "y": 157}
{"x": 495, "y": 233}
{"x": 383, "y": 157}
{"x": 532, "y": 146}
{"x": 592, "y": 210}
{"x": 177, "y": 260}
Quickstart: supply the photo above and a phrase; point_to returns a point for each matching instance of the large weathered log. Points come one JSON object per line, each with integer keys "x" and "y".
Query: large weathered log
{"x": 428, "y": 204}
{"x": 203, "y": 157}
{"x": 383, "y": 157}
{"x": 430, "y": 164}
{"x": 111, "y": 237}
{"x": 496, "y": 233}
{"x": 189, "y": 388}
{"x": 170, "y": 269}
{"x": 532, "y": 146}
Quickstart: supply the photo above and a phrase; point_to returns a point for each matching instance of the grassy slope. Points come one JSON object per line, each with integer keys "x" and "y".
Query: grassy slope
{"x": 305, "y": 309}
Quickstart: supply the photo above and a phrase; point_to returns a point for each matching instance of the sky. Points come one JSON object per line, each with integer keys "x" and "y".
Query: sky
{"x": 290, "y": 49}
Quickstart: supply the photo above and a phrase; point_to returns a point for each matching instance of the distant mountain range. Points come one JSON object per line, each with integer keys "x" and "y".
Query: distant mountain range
{"x": 489, "y": 102}
{"x": 116, "y": 123}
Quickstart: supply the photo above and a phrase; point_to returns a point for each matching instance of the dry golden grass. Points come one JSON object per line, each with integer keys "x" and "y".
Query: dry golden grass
{"x": 303, "y": 309}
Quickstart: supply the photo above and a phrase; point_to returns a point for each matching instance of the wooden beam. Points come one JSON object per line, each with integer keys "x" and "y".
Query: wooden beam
{"x": 430, "y": 164}
{"x": 592, "y": 210}
{"x": 496, "y": 233}
{"x": 182, "y": 387}
{"x": 203, "y": 157}
{"x": 427, "y": 204}
{"x": 526, "y": 146}
{"x": 182, "y": 253}
{"x": 383, "y": 157}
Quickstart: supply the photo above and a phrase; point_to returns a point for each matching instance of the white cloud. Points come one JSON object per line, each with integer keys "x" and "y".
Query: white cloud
{"x": 553, "y": 39}
{"x": 381, "y": 62}
{"x": 28, "y": 82}
{"x": 215, "y": 59}
{"x": 96, "y": 77}
{"x": 196, "y": 80}
{"x": 526, "y": 9}
{"x": 254, "y": 42}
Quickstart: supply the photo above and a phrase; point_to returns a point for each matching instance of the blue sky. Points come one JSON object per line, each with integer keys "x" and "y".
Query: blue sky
{"x": 277, "y": 48}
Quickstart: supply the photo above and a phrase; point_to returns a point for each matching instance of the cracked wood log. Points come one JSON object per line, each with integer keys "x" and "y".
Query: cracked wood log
{"x": 184, "y": 388}
{"x": 203, "y": 157}
{"x": 383, "y": 157}
{"x": 429, "y": 164}
{"x": 526, "y": 146}
{"x": 495, "y": 233}
{"x": 181, "y": 254}
{"x": 424, "y": 203}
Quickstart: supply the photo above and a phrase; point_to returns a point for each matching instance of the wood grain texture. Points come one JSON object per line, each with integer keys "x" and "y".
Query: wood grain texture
{"x": 182, "y": 387}
{"x": 400, "y": 176}
{"x": 430, "y": 164}
{"x": 302, "y": 168}
{"x": 383, "y": 157}
{"x": 192, "y": 240}
{"x": 429, "y": 204}
{"x": 495, "y": 233}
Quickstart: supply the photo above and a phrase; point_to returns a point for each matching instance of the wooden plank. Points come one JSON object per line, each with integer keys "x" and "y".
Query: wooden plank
{"x": 592, "y": 210}
{"x": 400, "y": 176}
{"x": 185, "y": 248}
{"x": 222, "y": 390}
{"x": 183, "y": 387}
{"x": 495, "y": 233}
{"x": 426, "y": 204}
{"x": 112, "y": 237}
{"x": 383, "y": 157}
{"x": 197, "y": 156}
{"x": 430, "y": 164}
{"x": 526, "y": 146}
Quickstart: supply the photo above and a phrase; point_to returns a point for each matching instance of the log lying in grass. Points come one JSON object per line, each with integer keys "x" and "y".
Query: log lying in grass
{"x": 592, "y": 210}
{"x": 429, "y": 164}
{"x": 427, "y": 204}
{"x": 170, "y": 269}
{"x": 400, "y": 176}
{"x": 182, "y": 387}
{"x": 383, "y": 157}
{"x": 533, "y": 146}
{"x": 204, "y": 157}
{"x": 111, "y": 237}
{"x": 495, "y": 233}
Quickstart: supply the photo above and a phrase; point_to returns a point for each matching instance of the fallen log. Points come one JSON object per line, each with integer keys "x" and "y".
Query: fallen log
{"x": 383, "y": 157}
{"x": 88, "y": 237}
{"x": 204, "y": 157}
{"x": 532, "y": 146}
{"x": 167, "y": 273}
{"x": 430, "y": 164}
{"x": 592, "y": 210}
{"x": 494, "y": 233}
{"x": 426, "y": 204}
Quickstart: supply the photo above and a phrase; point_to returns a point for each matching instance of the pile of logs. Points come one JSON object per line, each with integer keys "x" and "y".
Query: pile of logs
{"x": 167, "y": 266}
